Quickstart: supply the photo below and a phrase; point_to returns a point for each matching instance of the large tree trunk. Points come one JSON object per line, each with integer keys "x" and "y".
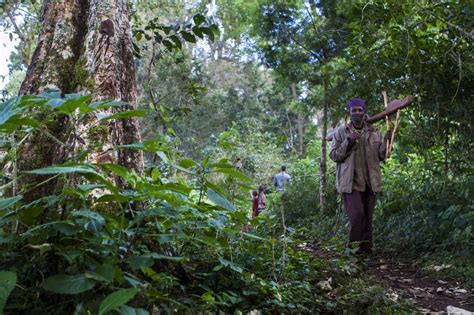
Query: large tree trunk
{"x": 322, "y": 164}
{"x": 83, "y": 46}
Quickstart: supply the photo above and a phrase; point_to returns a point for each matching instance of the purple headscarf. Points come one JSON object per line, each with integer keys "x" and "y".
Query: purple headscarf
{"x": 356, "y": 102}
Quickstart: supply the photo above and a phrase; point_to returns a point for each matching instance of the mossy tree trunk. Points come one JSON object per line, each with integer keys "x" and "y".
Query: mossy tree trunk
{"x": 84, "y": 45}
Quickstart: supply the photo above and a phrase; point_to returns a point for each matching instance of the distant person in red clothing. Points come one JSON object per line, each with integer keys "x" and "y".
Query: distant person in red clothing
{"x": 254, "y": 203}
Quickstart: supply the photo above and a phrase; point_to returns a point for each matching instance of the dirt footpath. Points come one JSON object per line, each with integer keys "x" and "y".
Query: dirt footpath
{"x": 428, "y": 293}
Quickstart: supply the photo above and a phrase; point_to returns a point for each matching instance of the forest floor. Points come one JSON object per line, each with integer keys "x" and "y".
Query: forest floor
{"x": 429, "y": 292}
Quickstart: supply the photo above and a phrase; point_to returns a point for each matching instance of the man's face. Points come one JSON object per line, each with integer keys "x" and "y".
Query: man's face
{"x": 357, "y": 114}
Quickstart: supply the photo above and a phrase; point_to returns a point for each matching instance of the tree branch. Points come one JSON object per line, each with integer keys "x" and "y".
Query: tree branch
{"x": 15, "y": 26}
{"x": 314, "y": 54}
{"x": 451, "y": 25}
{"x": 313, "y": 23}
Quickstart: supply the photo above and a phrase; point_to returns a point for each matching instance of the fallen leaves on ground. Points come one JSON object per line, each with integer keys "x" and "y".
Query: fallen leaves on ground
{"x": 428, "y": 293}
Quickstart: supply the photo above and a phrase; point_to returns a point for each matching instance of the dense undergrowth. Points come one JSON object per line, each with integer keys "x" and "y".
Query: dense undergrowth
{"x": 422, "y": 214}
{"x": 175, "y": 240}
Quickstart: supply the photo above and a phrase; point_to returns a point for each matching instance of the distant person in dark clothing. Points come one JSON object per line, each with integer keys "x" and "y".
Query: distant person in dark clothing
{"x": 254, "y": 204}
{"x": 281, "y": 180}
{"x": 358, "y": 148}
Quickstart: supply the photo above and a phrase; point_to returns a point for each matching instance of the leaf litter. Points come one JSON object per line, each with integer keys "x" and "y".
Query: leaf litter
{"x": 427, "y": 293}
{"x": 405, "y": 280}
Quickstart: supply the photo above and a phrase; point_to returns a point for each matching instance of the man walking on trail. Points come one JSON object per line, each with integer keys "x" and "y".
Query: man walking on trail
{"x": 281, "y": 180}
{"x": 358, "y": 148}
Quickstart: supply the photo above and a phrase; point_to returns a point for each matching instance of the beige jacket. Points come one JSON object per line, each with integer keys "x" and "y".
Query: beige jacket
{"x": 375, "y": 152}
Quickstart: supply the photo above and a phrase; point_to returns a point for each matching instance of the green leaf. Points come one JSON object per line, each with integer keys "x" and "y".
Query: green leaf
{"x": 70, "y": 105}
{"x": 116, "y": 299}
{"x": 70, "y": 255}
{"x": 215, "y": 29}
{"x": 136, "y": 262}
{"x": 9, "y": 109}
{"x": 218, "y": 189}
{"x": 114, "y": 197}
{"x": 115, "y": 168}
{"x": 127, "y": 310}
{"x": 186, "y": 163}
{"x": 188, "y": 37}
{"x": 171, "y": 258}
{"x": 166, "y": 29}
{"x": 255, "y": 237}
{"x": 222, "y": 165}
{"x": 208, "y": 297}
{"x": 176, "y": 41}
{"x": 126, "y": 114}
{"x": 101, "y": 105}
{"x": 7, "y": 284}
{"x": 7, "y": 202}
{"x": 14, "y": 123}
{"x": 231, "y": 265}
{"x": 138, "y": 36}
{"x": 198, "y": 32}
{"x": 180, "y": 188}
{"x": 158, "y": 37}
{"x": 95, "y": 216}
{"x": 162, "y": 156}
{"x": 51, "y": 93}
{"x": 66, "y": 284}
{"x": 182, "y": 169}
{"x": 87, "y": 187}
{"x": 171, "y": 132}
{"x": 99, "y": 178}
{"x": 102, "y": 116}
{"x": 104, "y": 273}
{"x": 63, "y": 170}
{"x": 169, "y": 45}
{"x": 199, "y": 19}
{"x": 37, "y": 228}
{"x": 219, "y": 200}
{"x": 28, "y": 215}
{"x": 133, "y": 280}
{"x": 10, "y": 216}
{"x": 136, "y": 51}
{"x": 152, "y": 145}
{"x": 66, "y": 228}
{"x": 6, "y": 239}
{"x": 55, "y": 102}
{"x": 233, "y": 173}
{"x": 208, "y": 32}
{"x": 116, "y": 104}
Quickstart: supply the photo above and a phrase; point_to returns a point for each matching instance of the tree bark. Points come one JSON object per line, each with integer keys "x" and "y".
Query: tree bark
{"x": 299, "y": 122}
{"x": 290, "y": 129}
{"x": 84, "y": 45}
{"x": 300, "y": 127}
{"x": 322, "y": 163}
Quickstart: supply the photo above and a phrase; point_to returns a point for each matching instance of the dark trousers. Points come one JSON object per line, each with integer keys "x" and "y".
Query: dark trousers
{"x": 359, "y": 208}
